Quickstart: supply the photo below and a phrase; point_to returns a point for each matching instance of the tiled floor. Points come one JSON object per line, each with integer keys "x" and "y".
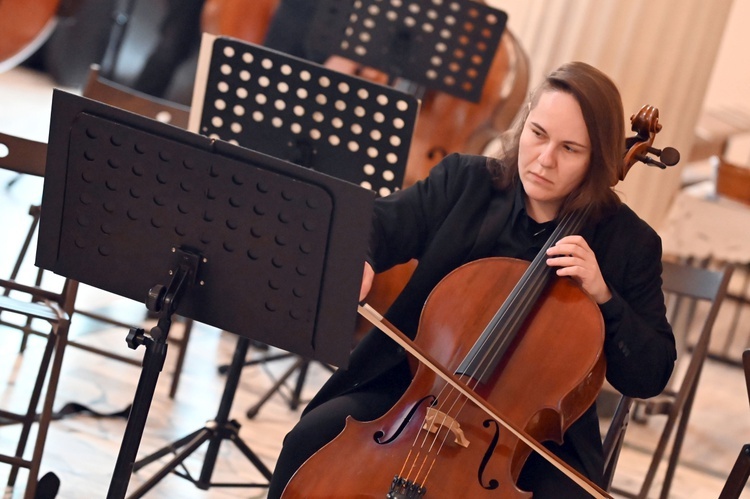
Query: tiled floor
{"x": 82, "y": 449}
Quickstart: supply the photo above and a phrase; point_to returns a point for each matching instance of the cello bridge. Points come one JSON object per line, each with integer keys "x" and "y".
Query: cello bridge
{"x": 436, "y": 419}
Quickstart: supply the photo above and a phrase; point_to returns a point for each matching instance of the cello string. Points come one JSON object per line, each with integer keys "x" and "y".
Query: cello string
{"x": 442, "y": 397}
{"x": 492, "y": 343}
{"x": 517, "y": 301}
{"x": 516, "y": 312}
{"x": 531, "y": 284}
{"x": 451, "y": 429}
{"x": 504, "y": 326}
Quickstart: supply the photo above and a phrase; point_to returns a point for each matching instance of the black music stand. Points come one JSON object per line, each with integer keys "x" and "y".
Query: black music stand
{"x": 206, "y": 229}
{"x": 442, "y": 45}
{"x": 300, "y": 111}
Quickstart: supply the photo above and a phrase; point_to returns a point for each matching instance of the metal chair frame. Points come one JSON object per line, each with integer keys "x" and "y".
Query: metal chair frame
{"x": 55, "y": 308}
{"x": 683, "y": 284}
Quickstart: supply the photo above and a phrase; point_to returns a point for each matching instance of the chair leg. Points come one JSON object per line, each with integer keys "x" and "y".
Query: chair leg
{"x": 46, "y": 416}
{"x": 679, "y": 437}
{"x": 27, "y": 329}
{"x": 658, "y": 454}
{"x": 34, "y": 211}
{"x": 54, "y": 351}
{"x": 31, "y": 412}
{"x": 737, "y": 478}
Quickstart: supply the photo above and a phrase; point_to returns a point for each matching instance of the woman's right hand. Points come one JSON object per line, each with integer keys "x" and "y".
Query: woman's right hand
{"x": 367, "y": 276}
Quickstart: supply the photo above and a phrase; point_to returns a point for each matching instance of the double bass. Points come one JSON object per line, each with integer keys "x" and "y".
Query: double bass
{"x": 240, "y": 19}
{"x": 24, "y": 27}
{"x": 447, "y": 434}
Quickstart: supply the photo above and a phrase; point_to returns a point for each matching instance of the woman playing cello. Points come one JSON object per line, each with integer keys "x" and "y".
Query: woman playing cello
{"x": 563, "y": 153}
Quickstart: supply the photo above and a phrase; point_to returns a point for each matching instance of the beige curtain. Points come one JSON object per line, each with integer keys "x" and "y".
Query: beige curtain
{"x": 660, "y": 52}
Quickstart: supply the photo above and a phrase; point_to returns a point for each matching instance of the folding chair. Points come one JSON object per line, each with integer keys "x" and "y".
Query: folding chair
{"x": 29, "y": 157}
{"x": 103, "y": 90}
{"x": 685, "y": 287}
{"x": 32, "y": 304}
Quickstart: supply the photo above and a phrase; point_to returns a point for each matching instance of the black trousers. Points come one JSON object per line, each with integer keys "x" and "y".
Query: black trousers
{"x": 321, "y": 425}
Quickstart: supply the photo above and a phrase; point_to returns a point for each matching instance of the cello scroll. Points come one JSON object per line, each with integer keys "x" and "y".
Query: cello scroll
{"x": 645, "y": 124}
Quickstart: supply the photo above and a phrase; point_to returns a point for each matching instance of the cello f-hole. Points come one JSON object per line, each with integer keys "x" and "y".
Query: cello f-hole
{"x": 380, "y": 434}
{"x": 493, "y": 484}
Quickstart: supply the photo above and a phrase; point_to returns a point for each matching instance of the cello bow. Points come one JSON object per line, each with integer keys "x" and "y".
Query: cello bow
{"x": 392, "y": 332}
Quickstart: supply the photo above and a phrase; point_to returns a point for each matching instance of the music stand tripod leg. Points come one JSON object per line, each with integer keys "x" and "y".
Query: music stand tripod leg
{"x": 215, "y": 431}
{"x": 230, "y": 429}
{"x": 224, "y": 368}
{"x": 253, "y": 411}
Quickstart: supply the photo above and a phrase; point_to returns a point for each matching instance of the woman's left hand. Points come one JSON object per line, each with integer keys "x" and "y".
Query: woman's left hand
{"x": 575, "y": 259}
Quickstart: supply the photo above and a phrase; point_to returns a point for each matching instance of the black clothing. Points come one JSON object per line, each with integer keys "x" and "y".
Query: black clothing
{"x": 455, "y": 216}
{"x": 179, "y": 37}
{"x": 289, "y": 29}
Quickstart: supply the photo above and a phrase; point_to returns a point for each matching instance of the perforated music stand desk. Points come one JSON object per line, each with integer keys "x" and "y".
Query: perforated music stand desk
{"x": 215, "y": 232}
{"x": 302, "y": 112}
{"x": 444, "y": 45}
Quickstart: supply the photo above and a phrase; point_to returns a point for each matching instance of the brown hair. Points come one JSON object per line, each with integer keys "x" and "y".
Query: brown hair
{"x": 601, "y": 106}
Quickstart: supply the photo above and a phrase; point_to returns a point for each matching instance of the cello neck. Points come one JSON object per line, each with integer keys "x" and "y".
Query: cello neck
{"x": 493, "y": 343}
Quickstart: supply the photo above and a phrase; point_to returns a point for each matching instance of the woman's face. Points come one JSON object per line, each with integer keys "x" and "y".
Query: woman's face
{"x": 554, "y": 153}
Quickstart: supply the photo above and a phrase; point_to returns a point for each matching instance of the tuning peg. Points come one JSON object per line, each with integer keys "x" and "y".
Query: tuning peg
{"x": 669, "y": 156}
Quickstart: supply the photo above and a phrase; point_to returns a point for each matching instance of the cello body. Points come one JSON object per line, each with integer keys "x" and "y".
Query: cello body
{"x": 24, "y": 26}
{"x": 551, "y": 375}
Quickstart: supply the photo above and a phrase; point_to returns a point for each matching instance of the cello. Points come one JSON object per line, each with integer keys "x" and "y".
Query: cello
{"x": 438, "y": 437}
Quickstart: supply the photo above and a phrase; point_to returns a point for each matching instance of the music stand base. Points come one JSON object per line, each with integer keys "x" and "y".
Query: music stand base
{"x": 300, "y": 364}
{"x": 215, "y": 431}
{"x": 210, "y": 433}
